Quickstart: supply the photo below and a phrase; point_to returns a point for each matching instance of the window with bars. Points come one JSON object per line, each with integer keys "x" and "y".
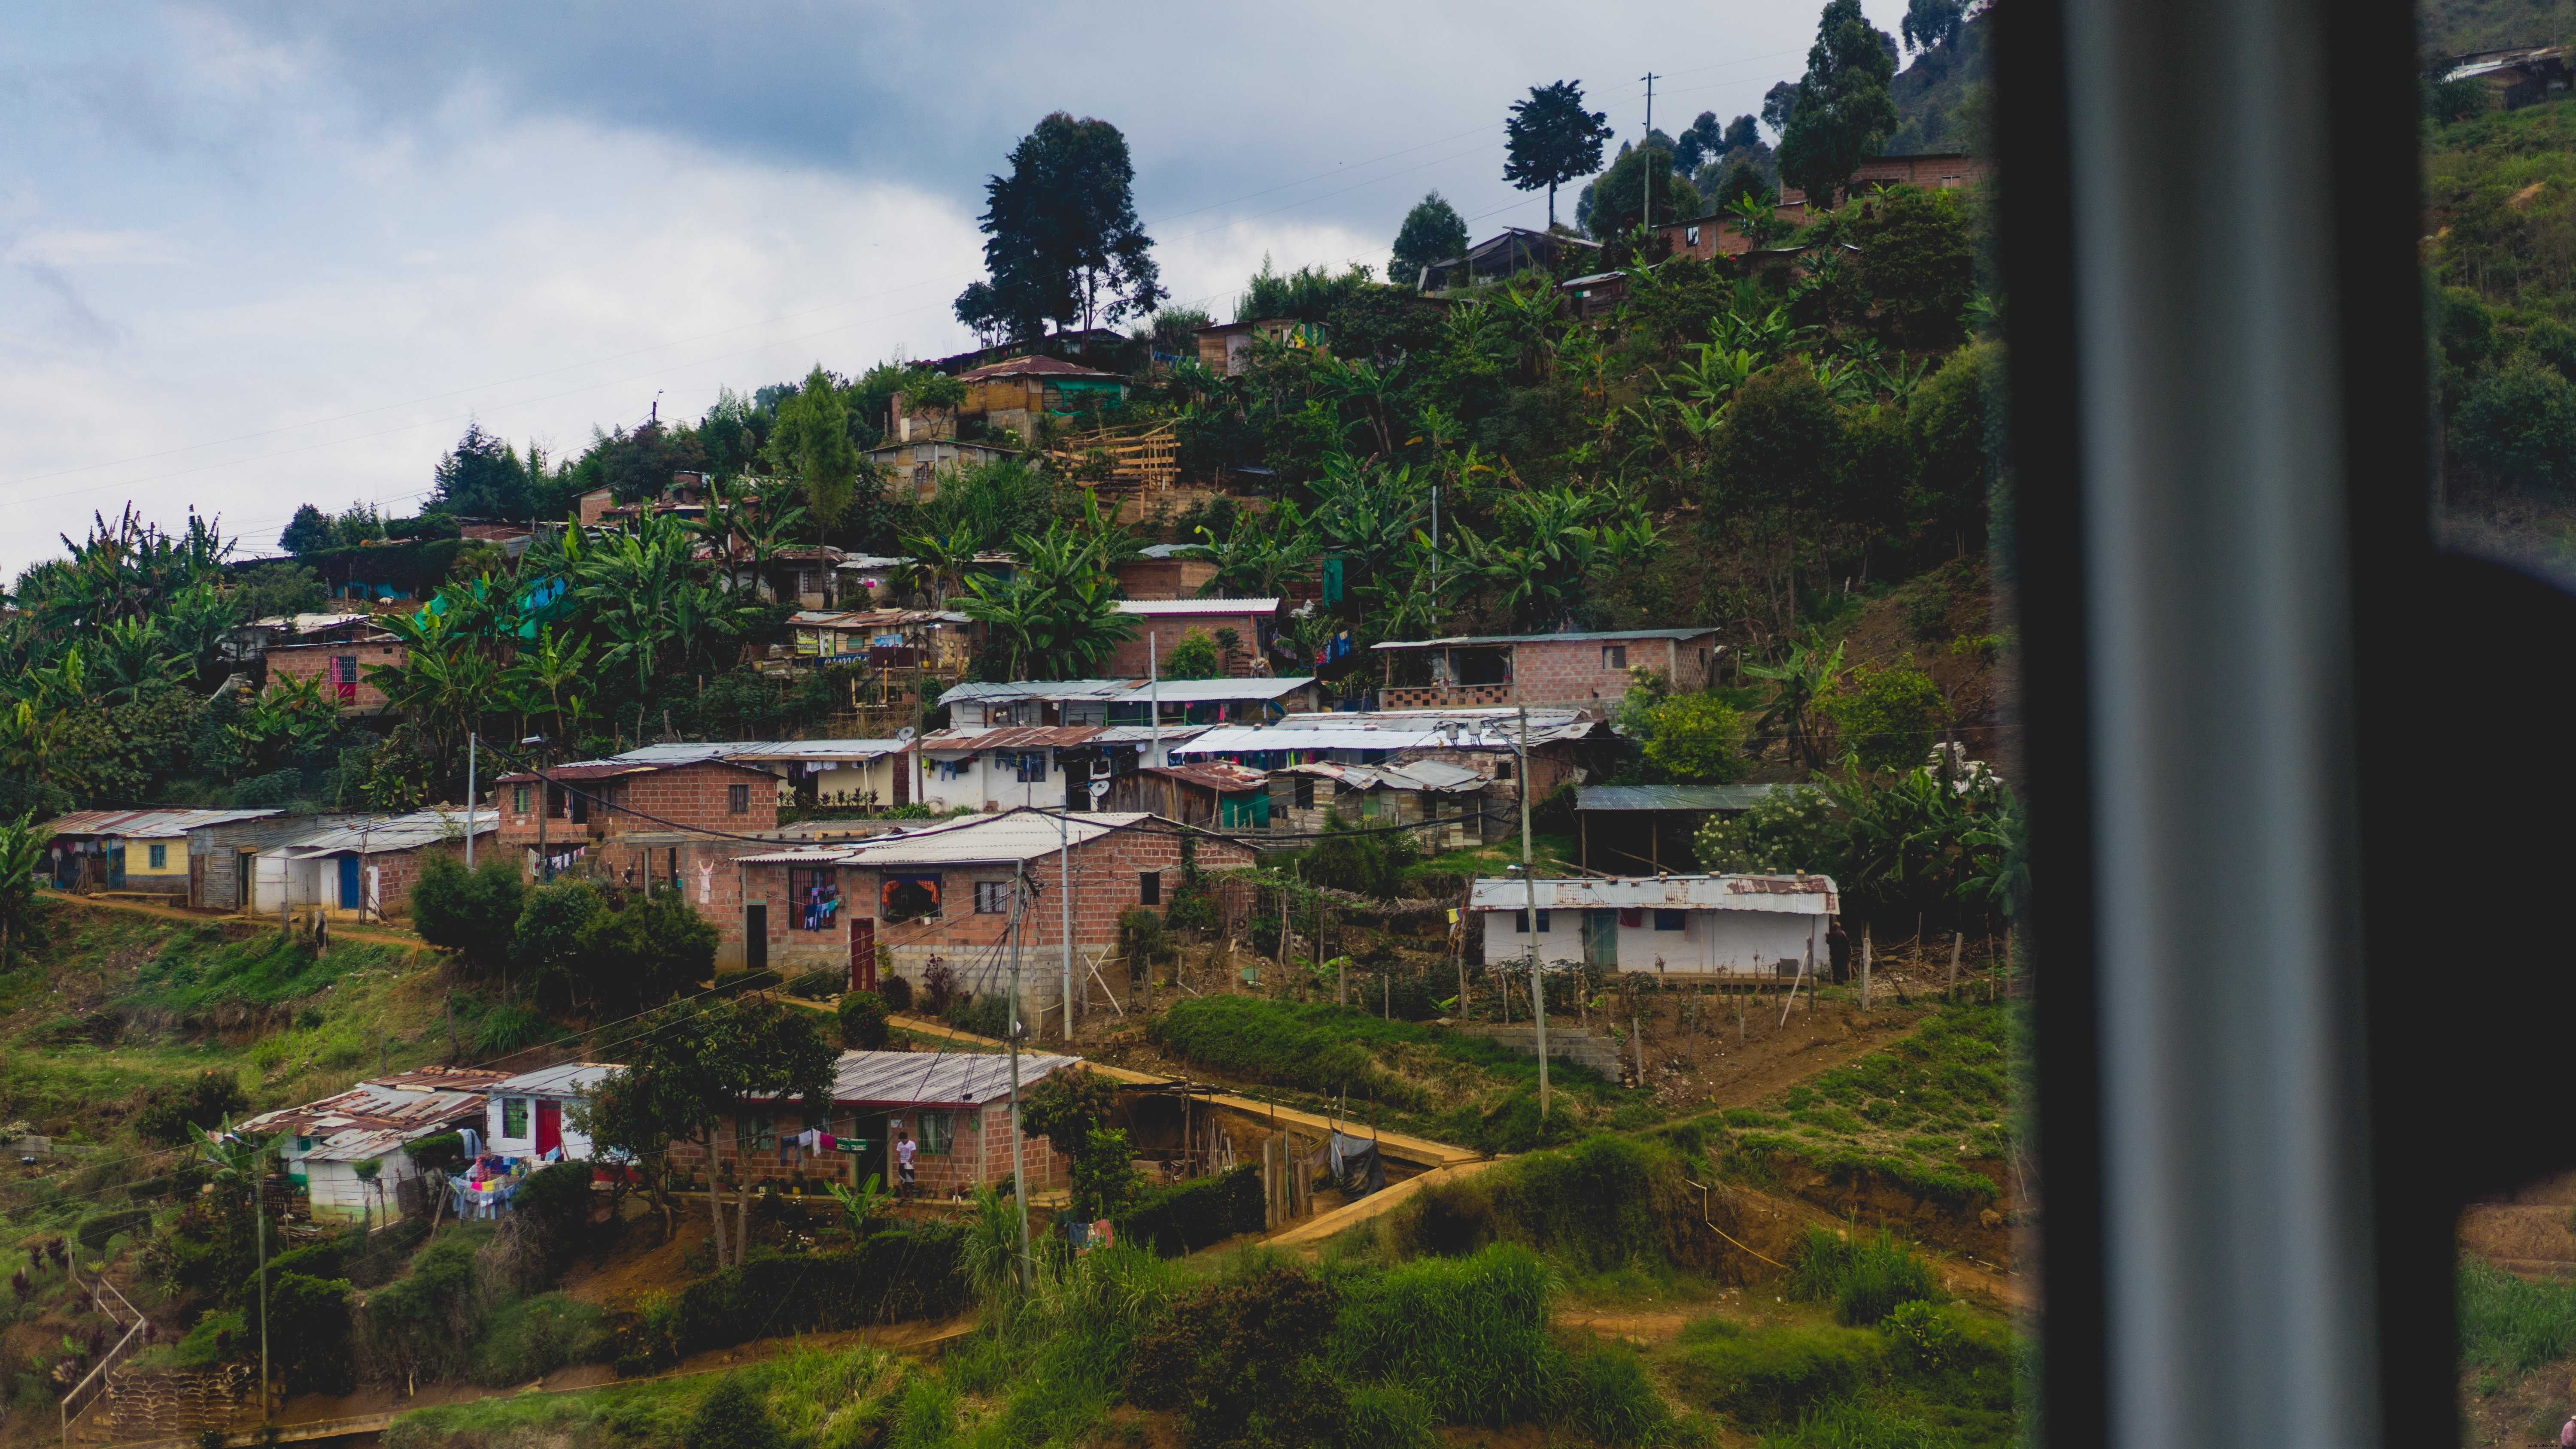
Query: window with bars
{"x": 992, "y": 897}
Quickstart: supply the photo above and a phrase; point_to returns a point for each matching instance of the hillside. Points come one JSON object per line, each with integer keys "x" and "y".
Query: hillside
{"x": 2459, "y": 27}
{"x": 1941, "y": 95}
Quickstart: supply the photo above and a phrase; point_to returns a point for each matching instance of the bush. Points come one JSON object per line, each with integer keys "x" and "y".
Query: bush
{"x": 818, "y": 985}
{"x": 308, "y": 1328}
{"x": 1920, "y": 1337}
{"x": 988, "y": 1015}
{"x": 98, "y": 1227}
{"x": 896, "y": 990}
{"x": 1884, "y": 716}
{"x": 1469, "y": 1335}
{"x": 446, "y": 1149}
{"x": 1192, "y": 1215}
{"x": 473, "y": 913}
{"x": 508, "y": 1028}
{"x": 732, "y": 1417}
{"x": 170, "y": 1114}
{"x": 1243, "y": 1360}
{"x": 888, "y": 1277}
{"x": 1794, "y": 828}
{"x": 1447, "y": 1219}
{"x": 1777, "y": 1374}
{"x": 863, "y": 1021}
{"x": 1696, "y": 739}
{"x": 533, "y": 1337}
{"x": 1864, "y": 1278}
{"x": 552, "y": 1214}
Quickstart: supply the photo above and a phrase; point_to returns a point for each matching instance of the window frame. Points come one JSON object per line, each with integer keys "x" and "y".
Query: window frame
{"x": 525, "y": 1109}
{"x": 1520, "y": 921}
{"x": 992, "y": 897}
{"x": 738, "y": 799}
{"x": 1149, "y": 887}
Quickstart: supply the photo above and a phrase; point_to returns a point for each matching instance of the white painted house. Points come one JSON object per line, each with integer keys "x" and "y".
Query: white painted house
{"x": 529, "y": 1115}
{"x": 1738, "y": 925}
{"x": 327, "y": 1146}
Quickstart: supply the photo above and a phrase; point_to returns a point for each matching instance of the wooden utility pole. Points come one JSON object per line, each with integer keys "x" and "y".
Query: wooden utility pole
{"x": 1955, "y": 940}
{"x": 1011, "y": 1034}
{"x": 1864, "y": 968}
{"x": 1529, "y": 879}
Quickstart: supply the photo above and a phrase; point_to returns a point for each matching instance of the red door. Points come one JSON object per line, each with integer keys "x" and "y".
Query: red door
{"x": 863, "y": 954}
{"x": 549, "y": 1127}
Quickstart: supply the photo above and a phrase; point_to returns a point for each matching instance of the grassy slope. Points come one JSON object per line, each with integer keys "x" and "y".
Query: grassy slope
{"x": 2457, "y": 27}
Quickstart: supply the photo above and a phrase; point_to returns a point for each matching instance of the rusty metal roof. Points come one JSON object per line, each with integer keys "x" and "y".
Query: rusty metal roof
{"x": 611, "y": 769}
{"x": 1803, "y": 895}
{"x": 376, "y": 1107}
{"x": 570, "y": 1079}
{"x": 1212, "y": 775}
{"x": 148, "y": 824}
{"x": 1010, "y": 737}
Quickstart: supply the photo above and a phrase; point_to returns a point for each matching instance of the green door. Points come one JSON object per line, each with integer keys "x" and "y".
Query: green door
{"x": 1601, "y": 940}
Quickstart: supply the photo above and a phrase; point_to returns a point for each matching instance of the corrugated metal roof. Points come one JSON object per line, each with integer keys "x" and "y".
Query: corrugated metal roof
{"x": 1010, "y": 737}
{"x": 938, "y": 1078}
{"x": 1035, "y": 367}
{"x": 1413, "y": 775}
{"x": 148, "y": 824}
{"x": 570, "y": 1079}
{"x": 1212, "y": 775}
{"x": 1021, "y": 836}
{"x": 739, "y": 751}
{"x": 1130, "y": 691}
{"x": 376, "y": 1105}
{"x": 581, "y": 770}
{"x": 1798, "y": 895}
{"x": 1674, "y": 797}
{"x": 374, "y": 834}
{"x": 1359, "y": 732}
{"x": 1035, "y": 689}
{"x": 1579, "y": 636}
{"x": 1198, "y": 606}
{"x": 802, "y": 855}
{"x": 1214, "y": 691}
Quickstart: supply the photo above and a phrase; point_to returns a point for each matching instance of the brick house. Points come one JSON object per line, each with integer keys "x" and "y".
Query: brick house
{"x": 1164, "y": 621}
{"x": 362, "y": 867}
{"x": 342, "y": 667}
{"x": 1476, "y": 753}
{"x": 1714, "y": 235}
{"x": 955, "y": 1106}
{"x": 1165, "y": 571}
{"x": 591, "y": 808}
{"x": 942, "y": 894}
{"x": 1585, "y": 670}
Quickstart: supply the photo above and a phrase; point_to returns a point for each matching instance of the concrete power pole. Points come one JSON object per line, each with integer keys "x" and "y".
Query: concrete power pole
{"x": 1529, "y": 880}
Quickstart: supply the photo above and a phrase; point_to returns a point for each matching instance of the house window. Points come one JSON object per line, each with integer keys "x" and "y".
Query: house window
{"x": 952, "y": 769}
{"x": 514, "y": 1117}
{"x": 737, "y": 799}
{"x": 1149, "y": 887}
{"x": 752, "y": 1133}
{"x": 303, "y": 1144}
{"x": 813, "y": 897}
{"x": 1520, "y": 922}
{"x": 1614, "y": 656}
{"x": 1305, "y": 792}
{"x": 1694, "y": 237}
{"x": 1632, "y": 917}
{"x": 1671, "y": 920}
{"x": 344, "y": 678}
{"x": 908, "y": 898}
{"x": 936, "y": 1132}
{"x": 159, "y": 852}
{"x": 1028, "y": 768}
{"x": 1502, "y": 769}
{"x": 992, "y": 897}
{"x": 519, "y": 796}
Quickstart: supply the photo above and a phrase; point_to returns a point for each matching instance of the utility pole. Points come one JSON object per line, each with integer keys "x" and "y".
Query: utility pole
{"x": 469, "y": 799}
{"x": 1064, "y": 859}
{"x": 1011, "y": 1032}
{"x": 1153, "y": 702}
{"x": 1529, "y": 880}
{"x": 1649, "y": 213}
{"x": 259, "y": 1209}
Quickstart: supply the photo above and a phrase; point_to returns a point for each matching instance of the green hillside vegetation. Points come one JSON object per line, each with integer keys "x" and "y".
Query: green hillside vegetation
{"x": 2500, "y": 195}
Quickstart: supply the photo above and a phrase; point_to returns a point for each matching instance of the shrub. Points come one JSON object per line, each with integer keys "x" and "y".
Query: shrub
{"x": 472, "y": 913}
{"x": 552, "y": 1213}
{"x": 1469, "y": 1335}
{"x": 170, "y": 1114}
{"x": 1591, "y": 1204}
{"x": 1864, "y": 1278}
{"x": 896, "y": 990}
{"x": 889, "y": 1277}
{"x": 818, "y": 985}
{"x": 732, "y": 1417}
{"x": 1920, "y": 1336}
{"x": 507, "y": 1028}
{"x": 1242, "y": 1360}
{"x": 1105, "y": 1179}
{"x": 1777, "y": 1374}
{"x": 1192, "y": 1215}
{"x": 1609, "y": 1398}
{"x": 98, "y": 1227}
{"x": 988, "y": 1015}
{"x": 445, "y": 1149}
{"x": 308, "y": 1328}
{"x": 1448, "y": 1219}
{"x": 533, "y": 1337}
{"x": 863, "y": 1021}
{"x": 1884, "y": 716}
{"x": 1697, "y": 739}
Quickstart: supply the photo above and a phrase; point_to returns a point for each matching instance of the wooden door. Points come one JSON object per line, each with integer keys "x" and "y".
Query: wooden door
{"x": 755, "y": 936}
{"x": 863, "y": 954}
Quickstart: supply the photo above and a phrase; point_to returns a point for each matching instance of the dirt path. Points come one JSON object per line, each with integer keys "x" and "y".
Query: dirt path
{"x": 380, "y": 935}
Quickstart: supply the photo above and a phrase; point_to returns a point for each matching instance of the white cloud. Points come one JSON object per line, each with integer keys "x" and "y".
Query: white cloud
{"x": 96, "y": 248}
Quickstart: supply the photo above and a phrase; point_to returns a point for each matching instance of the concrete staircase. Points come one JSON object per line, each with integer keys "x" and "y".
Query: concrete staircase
{"x": 1564, "y": 1043}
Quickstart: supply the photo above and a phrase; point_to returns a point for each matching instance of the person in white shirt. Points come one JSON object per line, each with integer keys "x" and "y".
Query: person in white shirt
{"x": 903, "y": 1150}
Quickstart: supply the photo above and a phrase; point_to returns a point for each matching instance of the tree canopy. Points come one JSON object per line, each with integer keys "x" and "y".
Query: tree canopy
{"x": 1841, "y": 113}
{"x": 1550, "y": 140}
{"x": 1063, "y": 243}
{"x": 1432, "y": 232}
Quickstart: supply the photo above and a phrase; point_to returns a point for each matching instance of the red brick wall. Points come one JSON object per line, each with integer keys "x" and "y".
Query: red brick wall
{"x": 1166, "y": 631}
{"x": 1572, "y": 673}
{"x": 1166, "y": 578}
{"x": 977, "y": 1158}
{"x": 309, "y": 661}
{"x": 692, "y": 797}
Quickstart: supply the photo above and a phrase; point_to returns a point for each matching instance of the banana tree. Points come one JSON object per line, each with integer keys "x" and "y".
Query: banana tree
{"x": 1800, "y": 679}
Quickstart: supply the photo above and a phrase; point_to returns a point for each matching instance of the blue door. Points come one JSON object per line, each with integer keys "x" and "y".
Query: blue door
{"x": 349, "y": 883}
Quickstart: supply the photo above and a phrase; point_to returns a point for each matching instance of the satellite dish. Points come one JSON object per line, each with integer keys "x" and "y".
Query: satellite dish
{"x": 1098, "y": 789}
{"x": 904, "y": 736}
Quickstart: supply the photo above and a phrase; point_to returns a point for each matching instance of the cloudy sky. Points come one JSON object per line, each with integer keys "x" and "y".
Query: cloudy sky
{"x": 254, "y": 255}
